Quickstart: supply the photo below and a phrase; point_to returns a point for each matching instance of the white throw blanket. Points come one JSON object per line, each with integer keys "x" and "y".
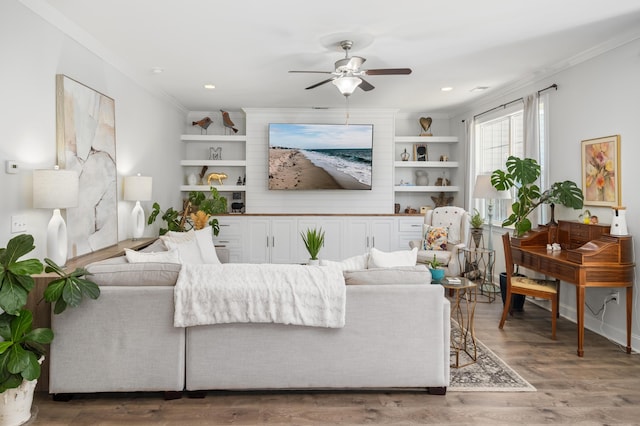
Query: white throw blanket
{"x": 266, "y": 293}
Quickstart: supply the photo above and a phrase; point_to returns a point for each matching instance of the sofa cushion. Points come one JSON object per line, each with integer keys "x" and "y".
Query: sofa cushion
{"x": 418, "y": 274}
{"x": 204, "y": 237}
{"x": 435, "y": 237}
{"x": 381, "y": 259}
{"x": 118, "y": 271}
{"x": 178, "y": 237}
{"x": 154, "y": 247}
{"x": 196, "y": 250}
{"x": 170, "y": 256}
{"x": 351, "y": 263}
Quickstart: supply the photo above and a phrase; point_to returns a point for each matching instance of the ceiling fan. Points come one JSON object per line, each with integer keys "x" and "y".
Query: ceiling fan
{"x": 348, "y": 75}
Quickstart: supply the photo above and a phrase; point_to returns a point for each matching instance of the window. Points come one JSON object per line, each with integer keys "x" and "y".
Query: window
{"x": 496, "y": 139}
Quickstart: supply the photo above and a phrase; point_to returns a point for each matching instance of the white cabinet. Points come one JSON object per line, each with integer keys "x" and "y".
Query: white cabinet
{"x": 218, "y": 154}
{"x": 409, "y": 228}
{"x": 333, "y": 237}
{"x": 270, "y": 240}
{"x": 408, "y": 193}
{"x": 361, "y": 234}
{"x": 231, "y": 236}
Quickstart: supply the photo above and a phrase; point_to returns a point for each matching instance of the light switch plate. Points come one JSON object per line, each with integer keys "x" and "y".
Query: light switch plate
{"x": 18, "y": 224}
{"x": 12, "y": 167}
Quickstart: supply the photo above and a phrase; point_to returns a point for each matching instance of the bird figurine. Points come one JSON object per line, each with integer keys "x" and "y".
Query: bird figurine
{"x": 425, "y": 123}
{"x": 226, "y": 121}
{"x": 204, "y": 124}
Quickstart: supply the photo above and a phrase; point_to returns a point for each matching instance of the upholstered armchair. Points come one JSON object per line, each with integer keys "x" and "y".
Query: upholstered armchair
{"x": 445, "y": 233}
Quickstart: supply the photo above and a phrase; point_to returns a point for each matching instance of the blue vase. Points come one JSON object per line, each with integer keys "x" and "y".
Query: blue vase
{"x": 436, "y": 275}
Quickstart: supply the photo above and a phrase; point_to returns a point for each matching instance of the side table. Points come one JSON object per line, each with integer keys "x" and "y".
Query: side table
{"x": 478, "y": 267}
{"x": 463, "y": 337}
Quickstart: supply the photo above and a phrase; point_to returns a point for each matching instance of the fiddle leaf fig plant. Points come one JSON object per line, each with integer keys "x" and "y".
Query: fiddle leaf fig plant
{"x": 22, "y": 347}
{"x": 522, "y": 175}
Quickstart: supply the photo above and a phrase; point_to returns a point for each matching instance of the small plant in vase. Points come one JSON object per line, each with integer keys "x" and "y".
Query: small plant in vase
{"x": 437, "y": 272}
{"x": 313, "y": 240}
{"x": 477, "y": 222}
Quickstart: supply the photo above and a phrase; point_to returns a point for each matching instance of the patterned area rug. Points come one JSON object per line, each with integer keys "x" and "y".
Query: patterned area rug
{"x": 489, "y": 374}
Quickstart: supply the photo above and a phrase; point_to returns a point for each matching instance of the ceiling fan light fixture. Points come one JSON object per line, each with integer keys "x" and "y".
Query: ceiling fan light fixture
{"x": 346, "y": 85}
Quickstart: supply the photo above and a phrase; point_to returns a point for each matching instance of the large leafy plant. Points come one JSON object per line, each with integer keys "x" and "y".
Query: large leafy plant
{"x": 522, "y": 174}
{"x": 181, "y": 221}
{"x": 22, "y": 346}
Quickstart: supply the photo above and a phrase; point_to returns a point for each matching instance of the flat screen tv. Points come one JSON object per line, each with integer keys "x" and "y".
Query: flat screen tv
{"x": 320, "y": 156}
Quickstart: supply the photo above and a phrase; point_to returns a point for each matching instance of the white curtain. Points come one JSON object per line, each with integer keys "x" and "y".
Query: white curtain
{"x": 470, "y": 170}
{"x": 532, "y": 146}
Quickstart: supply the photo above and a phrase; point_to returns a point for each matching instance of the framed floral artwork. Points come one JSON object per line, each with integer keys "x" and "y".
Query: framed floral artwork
{"x": 601, "y": 171}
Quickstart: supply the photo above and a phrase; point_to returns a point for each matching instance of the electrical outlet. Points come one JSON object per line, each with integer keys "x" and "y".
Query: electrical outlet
{"x": 18, "y": 224}
{"x": 615, "y": 296}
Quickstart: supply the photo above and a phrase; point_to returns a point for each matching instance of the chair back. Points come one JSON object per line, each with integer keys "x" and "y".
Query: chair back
{"x": 456, "y": 219}
{"x": 508, "y": 257}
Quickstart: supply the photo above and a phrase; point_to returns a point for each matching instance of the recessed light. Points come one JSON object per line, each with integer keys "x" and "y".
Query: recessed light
{"x": 446, "y": 89}
{"x": 157, "y": 70}
{"x": 209, "y": 86}
{"x": 479, "y": 88}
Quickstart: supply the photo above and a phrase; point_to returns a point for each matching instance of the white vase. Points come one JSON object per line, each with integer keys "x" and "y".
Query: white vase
{"x": 15, "y": 404}
{"x": 192, "y": 179}
{"x": 314, "y": 262}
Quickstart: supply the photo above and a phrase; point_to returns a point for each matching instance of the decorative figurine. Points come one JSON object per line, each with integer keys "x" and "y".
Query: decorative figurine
{"x": 216, "y": 176}
{"x": 215, "y": 153}
{"x": 203, "y": 124}
{"x": 226, "y": 121}
{"x": 425, "y": 123}
{"x": 405, "y": 155}
{"x": 239, "y": 181}
{"x": 442, "y": 200}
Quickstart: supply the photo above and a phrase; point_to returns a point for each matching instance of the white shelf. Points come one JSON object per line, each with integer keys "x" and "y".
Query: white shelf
{"x": 426, "y": 139}
{"x": 431, "y": 188}
{"x": 436, "y": 164}
{"x": 214, "y": 163}
{"x": 213, "y": 138}
{"x": 220, "y": 188}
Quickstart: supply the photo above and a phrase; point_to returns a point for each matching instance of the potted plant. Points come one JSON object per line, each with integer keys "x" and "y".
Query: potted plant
{"x": 313, "y": 240}
{"x": 435, "y": 266}
{"x": 197, "y": 210}
{"x": 522, "y": 174}
{"x": 22, "y": 349}
{"x": 477, "y": 223}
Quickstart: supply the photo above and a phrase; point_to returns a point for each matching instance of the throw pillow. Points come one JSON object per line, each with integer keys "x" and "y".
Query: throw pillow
{"x": 204, "y": 237}
{"x": 350, "y": 264}
{"x": 189, "y": 251}
{"x": 381, "y": 259}
{"x": 170, "y": 256}
{"x": 435, "y": 237}
{"x": 178, "y": 237}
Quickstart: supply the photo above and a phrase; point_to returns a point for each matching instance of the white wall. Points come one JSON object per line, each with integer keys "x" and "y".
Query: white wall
{"x": 598, "y": 97}
{"x": 147, "y": 126}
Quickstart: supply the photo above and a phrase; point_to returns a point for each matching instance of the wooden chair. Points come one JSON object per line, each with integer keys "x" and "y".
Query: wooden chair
{"x": 546, "y": 289}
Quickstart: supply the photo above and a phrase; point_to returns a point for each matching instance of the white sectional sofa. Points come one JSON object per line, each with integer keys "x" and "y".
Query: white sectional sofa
{"x": 396, "y": 335}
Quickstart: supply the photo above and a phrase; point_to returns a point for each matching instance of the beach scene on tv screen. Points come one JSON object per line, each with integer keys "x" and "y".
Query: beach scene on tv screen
{"x": 320, "y": 156}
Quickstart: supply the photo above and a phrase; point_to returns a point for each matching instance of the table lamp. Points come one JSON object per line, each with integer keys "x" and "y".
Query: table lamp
{"x": 56, "y": 189}
{"x": 484, "y": 190}
{"x": 137, "y": 188}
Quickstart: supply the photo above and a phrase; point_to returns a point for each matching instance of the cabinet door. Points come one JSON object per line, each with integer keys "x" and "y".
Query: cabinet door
{"x": 231, "y": 236}
{"x": 258, "y": 241}
{"x": 283, "y": 241}
{"x": 333, "y": 238}
{"x": 381, "y": 232}
{"x": 356, "y": 237}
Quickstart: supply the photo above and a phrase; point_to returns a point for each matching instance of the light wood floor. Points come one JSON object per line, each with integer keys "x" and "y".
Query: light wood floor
{"x": 601, "y": 388}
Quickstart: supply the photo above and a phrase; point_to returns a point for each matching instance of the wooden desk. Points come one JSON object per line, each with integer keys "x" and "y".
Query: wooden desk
{"x": 605, "y": 261}
{"x": 42, "y": 311}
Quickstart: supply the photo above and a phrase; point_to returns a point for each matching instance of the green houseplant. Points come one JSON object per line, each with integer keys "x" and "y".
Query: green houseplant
{"x": 435, "y": 266}
{"x": 313, "y": 240}
{"x": 522, "y": 174}
{"x": 196, "y": 204}
{"x": 477, "y": 223}
{"x": 22, "y": 348}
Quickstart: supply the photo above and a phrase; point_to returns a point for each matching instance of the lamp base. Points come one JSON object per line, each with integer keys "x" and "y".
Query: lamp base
{"x": 137, "y": 221}
{"x": 57, "y": 239}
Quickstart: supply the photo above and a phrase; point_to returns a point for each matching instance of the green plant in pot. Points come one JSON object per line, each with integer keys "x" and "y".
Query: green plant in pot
{"x": 477, "y": 223}
{"x": 435, "y": 266}
{"x": 522, "y": 175}
{"x": 22, "y": 348}
{"x": 313, "y": 240}
{"x": 197, "y": 201}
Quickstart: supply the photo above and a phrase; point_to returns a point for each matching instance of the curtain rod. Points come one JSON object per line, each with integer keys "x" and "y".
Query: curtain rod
{"x": 553, "y": 86}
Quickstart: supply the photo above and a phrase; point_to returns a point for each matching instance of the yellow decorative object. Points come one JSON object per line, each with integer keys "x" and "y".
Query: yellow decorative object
{"x": 585, "y": 217}
{"x": 216, "y": 176}
{"x": 200, "y": 219}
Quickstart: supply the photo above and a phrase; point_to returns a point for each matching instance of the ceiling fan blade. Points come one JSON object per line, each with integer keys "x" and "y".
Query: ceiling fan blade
{"x": 320, "y": 83}
{"x": 365, "y": 85}
{"x": 388, "y": 71}
{"x": 312, "y": 72}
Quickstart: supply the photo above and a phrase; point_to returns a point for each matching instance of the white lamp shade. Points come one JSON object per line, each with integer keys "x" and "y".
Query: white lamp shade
{"x": 346, "y": 85}
{"x": 55, "y": 189}
{"x": 137, "y": 188}
{"x": 484, "y": 189}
